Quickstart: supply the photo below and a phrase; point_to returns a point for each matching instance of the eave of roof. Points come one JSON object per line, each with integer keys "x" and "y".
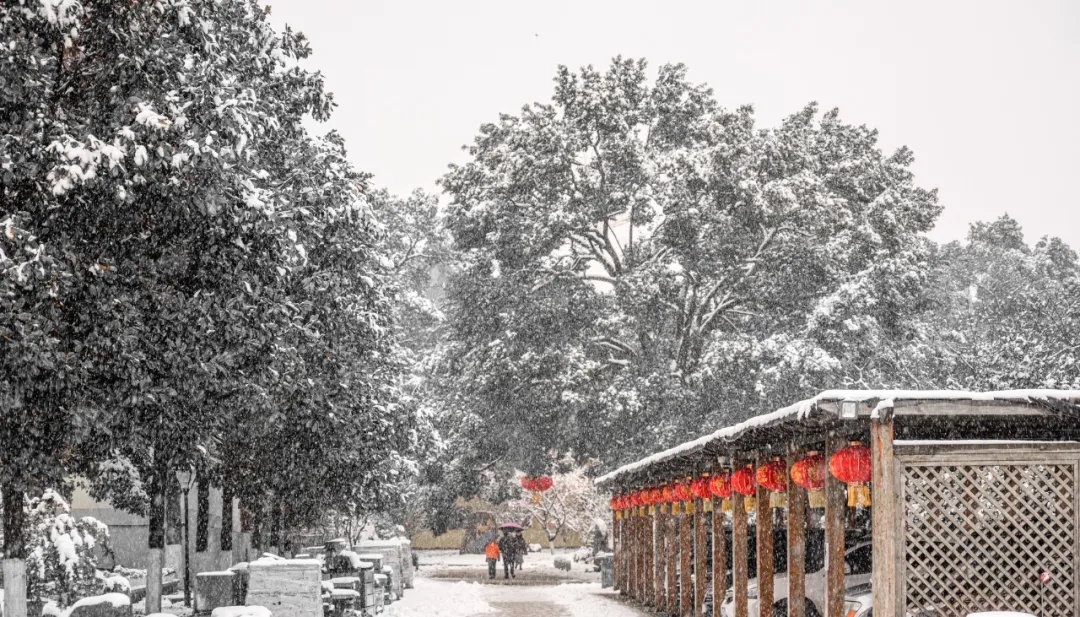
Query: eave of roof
{"x": 810, "y": 407}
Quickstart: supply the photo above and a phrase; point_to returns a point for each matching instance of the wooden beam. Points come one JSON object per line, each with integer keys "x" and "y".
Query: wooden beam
{"x": 719, "y": 557}
{"x": 686, "y": 587}
{"x": 700, "y": 579}
{"x": 835, "y": 508}
{"x": 884, "y": 520}
{"x": 796, "y": 540}
{"x": 739, "y": 554}
{"x": 765, "y": 564}
{"x": 672, "y": 605}
{"x": 659, "y": 560}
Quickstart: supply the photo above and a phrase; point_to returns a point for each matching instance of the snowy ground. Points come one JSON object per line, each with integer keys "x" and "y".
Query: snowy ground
{"x": 440, "y": 598}
{"x": 539, "y": 591}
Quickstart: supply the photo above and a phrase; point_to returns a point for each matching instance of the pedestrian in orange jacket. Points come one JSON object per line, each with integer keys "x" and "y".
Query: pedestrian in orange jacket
{"x": 491, "y": 553}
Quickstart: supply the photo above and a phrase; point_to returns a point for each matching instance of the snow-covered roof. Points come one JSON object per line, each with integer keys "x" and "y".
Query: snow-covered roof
{"x": 805, "y": 408}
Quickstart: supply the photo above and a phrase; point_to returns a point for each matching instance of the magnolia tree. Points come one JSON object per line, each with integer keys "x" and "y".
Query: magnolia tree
{"x": 572, "y": 504}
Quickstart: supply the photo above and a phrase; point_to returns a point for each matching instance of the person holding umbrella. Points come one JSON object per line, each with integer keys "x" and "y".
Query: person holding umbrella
{"x": 508, "y": 546}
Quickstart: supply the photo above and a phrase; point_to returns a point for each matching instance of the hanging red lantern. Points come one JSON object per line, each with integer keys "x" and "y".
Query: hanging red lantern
{"x": 669, "y": 493}
{"x": 700, "y": 487}
{"x": 810, "y": 472}
{"x": 543, "y": 483}
{"x": 720, "y": 485}
{"x": 772, "y": 476}
{"x": 742, "y": 481}
{"x": 852, "y": 465}
{"x": 528, "y": 483}
{"x": 613, "y": 503}
{"x": 682, "y": 491}
{"x": 656, "y": 495}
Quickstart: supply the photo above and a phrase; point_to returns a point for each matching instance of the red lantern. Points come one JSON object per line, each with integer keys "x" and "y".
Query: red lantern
{"x": 635, "y": 499}
{"x": 682, "y": 491}
{"x": 528, "y": 483}
{"x": 669, "y": 493}
{"x": 743, "y": 481}
{"x": 543, "y": 483}
{"x": 772, "y": 476}
{"x": 700, "y": 487}
{"x": 614, "y": 503}
{"x": 810, "y": 472}
{"x": 851, "y": 465}
{"x": 656, "y": 495}
{"x": 720, "y": 485}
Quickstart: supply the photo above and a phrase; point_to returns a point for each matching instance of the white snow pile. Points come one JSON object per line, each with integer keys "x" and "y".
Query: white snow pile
{"x": 116, "y": 600}
{"x": 438, "y": 599}
{"x": 241, "y": 611}
{"x": 354, "y": 558}
{"x": 116, "y": 583}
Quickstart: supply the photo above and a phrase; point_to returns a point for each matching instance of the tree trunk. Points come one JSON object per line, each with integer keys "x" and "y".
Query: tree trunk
{"x": 14, "y": 563}
{"x": 257, "y": 536}
{"x": 156, "y": 542}
{"x": 551, "y": 543}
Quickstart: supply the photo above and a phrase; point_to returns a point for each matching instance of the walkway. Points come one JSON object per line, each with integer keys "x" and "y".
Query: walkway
{"x": 541, "y": 591}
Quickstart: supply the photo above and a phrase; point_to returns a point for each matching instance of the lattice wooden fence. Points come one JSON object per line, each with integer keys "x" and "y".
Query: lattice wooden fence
{"x": 977, "y": 534}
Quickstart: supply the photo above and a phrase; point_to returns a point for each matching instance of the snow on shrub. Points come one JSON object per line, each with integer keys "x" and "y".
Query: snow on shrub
{"x": 61, "y": 565}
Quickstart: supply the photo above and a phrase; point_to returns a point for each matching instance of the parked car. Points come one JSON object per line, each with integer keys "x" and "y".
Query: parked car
{"x": 858, "y": 565}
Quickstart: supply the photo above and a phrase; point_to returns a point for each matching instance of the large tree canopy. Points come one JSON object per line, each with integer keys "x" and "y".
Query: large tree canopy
{"x": 640, "y": 260}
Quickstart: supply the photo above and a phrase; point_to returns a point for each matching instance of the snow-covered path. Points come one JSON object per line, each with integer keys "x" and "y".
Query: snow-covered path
{"x": 438, "y": 598}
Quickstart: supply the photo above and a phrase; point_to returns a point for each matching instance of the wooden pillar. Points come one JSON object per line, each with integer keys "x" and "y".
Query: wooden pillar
{"x": 765, "y": 565}
{"x": 648, "y": 567}
{"x": 635, "y": 549}
{"x": 719, "y": 557}
{"x": 885, "y": 522}
{"x": 686, "y": 586}
{"x": 700, "y": 548}
{"x": 672, "y": 564}
{"x": 643, "y": 556}
{"x": 739, "y": 564}
{"x": 835, "y": 507}
{"x": 624, "y": 553}
{"x": 616, "y": 548}
{"x": 796, "y": 540}
{"x": 659, "y": 560}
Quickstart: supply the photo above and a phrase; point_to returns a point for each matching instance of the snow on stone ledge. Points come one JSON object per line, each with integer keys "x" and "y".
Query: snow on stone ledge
{"x": 116, "y": 600}
{"x": 803, "y": 409}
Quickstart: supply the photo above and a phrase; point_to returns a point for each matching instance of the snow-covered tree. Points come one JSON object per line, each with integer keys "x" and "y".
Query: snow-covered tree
{"x": 170, "y": 274}
{"x": 572, "y": 504}
{"x": 1003, "y": 315}
{"x": 62, "y": 565}
{"x": 638, "y": 261}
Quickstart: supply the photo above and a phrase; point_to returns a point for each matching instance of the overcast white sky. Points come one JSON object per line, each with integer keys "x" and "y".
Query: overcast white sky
{"x": 985, "y": 92}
